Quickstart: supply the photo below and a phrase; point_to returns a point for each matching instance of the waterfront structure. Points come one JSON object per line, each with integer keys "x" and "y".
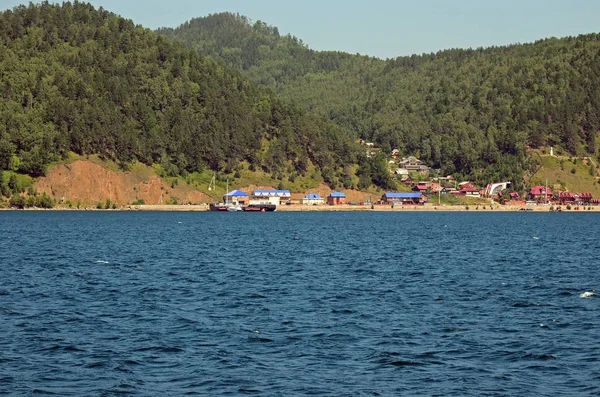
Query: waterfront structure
{"x": 336, "y": 198}
{"x": 402, "y": 198}
{"x": 312, "y": 199}
{"x": 271, "y": 196}
{"x": 237, "y": 197}
{"x": 574, "y": 198}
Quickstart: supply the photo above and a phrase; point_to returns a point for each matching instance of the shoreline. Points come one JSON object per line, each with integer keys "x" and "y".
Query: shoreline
{"x": 336, "y": 208}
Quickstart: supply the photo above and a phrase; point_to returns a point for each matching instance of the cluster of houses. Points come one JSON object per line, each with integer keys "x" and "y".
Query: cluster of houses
{"x": 543, "y": 194}
{"x": 420, "y": 190}
{"x": 419, "y": 196}
{"x": 281, "y": 197}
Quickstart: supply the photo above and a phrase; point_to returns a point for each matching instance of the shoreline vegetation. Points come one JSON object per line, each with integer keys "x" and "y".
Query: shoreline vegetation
{"x": 339, "y": 208}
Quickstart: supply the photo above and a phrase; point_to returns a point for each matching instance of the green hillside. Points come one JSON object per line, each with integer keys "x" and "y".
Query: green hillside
{"x": 78, "y": 79}
{"x": 471, "y": 112}
{"x": 570, "y": 174}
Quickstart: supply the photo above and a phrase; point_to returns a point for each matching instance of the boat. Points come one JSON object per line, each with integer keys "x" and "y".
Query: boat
{"x": 260, "y": 208}
{"x": 218, "y": 207}
{"x": 234, "y": 208}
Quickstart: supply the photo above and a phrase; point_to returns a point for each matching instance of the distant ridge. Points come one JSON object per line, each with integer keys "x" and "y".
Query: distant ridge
{"x": 472, "y": 112}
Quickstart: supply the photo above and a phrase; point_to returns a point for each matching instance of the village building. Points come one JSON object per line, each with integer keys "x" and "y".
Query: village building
{"x": 336, "y": 198}
{"x": 540, "y": 193}
{"x": 312, "y": 199}
{"x": 407, "y": 180}
{"x": 412, "y": 163}
{"x": 422, "y": 187}
{"x": 402, "y": 198}
{"x": 435, "y": 187}
{"x": 565, "y": 198}
{"x": 401, "y": 171}
{"x": 271, "y": 196}
{"x": 447, "y": 188}
{"x": 395, "y": 153}
{"x": 237, "y": 197}
{"x": 467, "y": 189}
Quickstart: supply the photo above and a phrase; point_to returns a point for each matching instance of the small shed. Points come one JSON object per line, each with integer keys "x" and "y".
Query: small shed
{"x": 336, "y": 198}
{"x": 312, "y": 199}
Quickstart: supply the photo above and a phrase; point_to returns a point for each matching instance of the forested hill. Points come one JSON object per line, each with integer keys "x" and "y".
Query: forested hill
{"x": 467, "y": 111}
{"x": 76, "y": 78}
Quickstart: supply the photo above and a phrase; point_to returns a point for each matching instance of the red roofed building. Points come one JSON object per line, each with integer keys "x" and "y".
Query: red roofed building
{"x": 422, "y": 187}
{"x": 574, "y": 198}
{"x": 467, "y": 189}
{"x": 586, "y": 198}
{"x": 540, "y": 193}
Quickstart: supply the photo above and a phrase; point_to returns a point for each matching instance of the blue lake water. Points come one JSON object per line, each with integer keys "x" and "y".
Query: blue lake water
{"x": 281, "y": 304}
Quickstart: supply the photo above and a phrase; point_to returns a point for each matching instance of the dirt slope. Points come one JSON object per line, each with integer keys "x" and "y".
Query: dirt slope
{"x": 89, "y": 183}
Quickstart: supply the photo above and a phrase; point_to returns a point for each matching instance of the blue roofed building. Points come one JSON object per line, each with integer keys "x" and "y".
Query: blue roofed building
{"x": 271, "y": 196}
{"x": 336, "y": 198}
{"x": 312, "y": 199}
{"x": 402, "y": 198}
{"x": 237, "y": 197}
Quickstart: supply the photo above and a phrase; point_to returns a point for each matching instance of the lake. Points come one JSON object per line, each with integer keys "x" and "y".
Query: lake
{"x": 281, "y": 304}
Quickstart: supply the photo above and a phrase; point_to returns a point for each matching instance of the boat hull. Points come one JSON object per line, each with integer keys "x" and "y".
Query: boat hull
{"x": 260, "y": 208}
{"x": 217, "y": 207}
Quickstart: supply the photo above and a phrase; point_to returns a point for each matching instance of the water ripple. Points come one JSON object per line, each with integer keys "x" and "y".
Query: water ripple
{"x": 298, "y": 304}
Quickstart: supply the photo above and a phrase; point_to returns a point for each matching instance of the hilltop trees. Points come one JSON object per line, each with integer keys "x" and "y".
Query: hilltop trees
{"x": 73, "y": 78}
{"x": 471, "y": 111}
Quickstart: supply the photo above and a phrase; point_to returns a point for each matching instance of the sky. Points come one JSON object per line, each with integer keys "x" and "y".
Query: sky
{"x": 382, "y": 28}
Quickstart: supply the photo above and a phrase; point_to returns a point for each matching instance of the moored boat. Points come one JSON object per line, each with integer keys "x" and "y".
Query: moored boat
{"x": 218, "y": 207}
{"x": 260, "y": 207}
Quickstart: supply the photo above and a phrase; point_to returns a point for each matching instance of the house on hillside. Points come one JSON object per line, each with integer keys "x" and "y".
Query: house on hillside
{"x": 435, "y": 187}
{"x": 467, "y": 189}
{"x": 407, "y": 180}
{"x": 412, "y": 163}
{"x": 336, "y": 198}
{"x": 422, "y": 187}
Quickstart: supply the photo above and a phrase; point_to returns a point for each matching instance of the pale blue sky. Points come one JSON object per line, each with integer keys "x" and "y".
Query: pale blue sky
{"x": 382, "y": 28}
